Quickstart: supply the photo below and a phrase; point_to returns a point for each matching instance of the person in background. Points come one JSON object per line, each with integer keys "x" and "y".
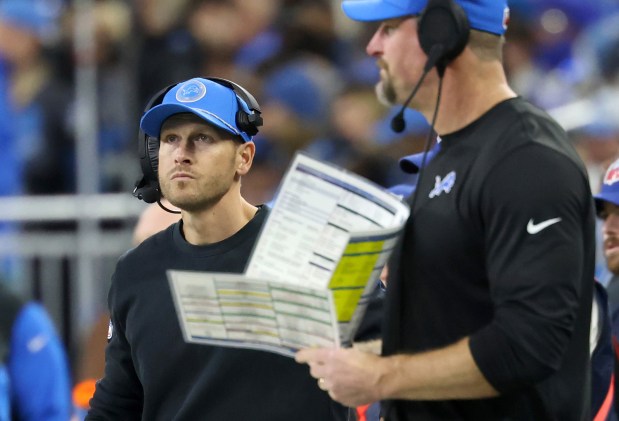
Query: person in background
{"x": 35, "y": 138}
{"x": 35, "y": 382}
{"x": 203, "y": 130}
{"x": 489, "y": 300}
{"x": 152, "y": 220}
{"x": 607, "y": 207}
{"x": 36, "y": 102}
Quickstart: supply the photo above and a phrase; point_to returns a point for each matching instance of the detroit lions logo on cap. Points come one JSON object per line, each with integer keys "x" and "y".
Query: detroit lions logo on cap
{"x": 191, "y": 91}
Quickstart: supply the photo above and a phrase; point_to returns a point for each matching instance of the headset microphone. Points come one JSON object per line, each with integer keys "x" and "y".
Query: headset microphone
{"x": 436, "y": 52}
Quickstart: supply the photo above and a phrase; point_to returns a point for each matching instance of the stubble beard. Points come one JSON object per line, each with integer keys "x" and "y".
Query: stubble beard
{"x": 181, "y": 197}
{"x": 385, "y": 92}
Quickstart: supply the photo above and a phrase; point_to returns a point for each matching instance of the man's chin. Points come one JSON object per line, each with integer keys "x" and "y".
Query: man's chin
{"x": 383, "y": 96}
{"x": 194, "y": 202}
{"x": 181, "y": 201}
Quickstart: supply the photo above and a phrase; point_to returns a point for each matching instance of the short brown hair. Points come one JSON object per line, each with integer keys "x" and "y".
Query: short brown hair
{"x": 486, "y": 46}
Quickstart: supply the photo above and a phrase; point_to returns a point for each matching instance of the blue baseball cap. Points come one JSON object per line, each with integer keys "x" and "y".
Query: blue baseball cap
{"x": 609, "y": 192}
{"x": 209, "y": 100}
{"x": 484, "y": 15}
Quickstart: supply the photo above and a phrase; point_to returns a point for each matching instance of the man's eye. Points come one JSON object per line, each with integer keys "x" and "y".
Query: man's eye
{"x": 388, "y": 29}
{"x": 204, "y": 138}
{"x": 169, "y": 139}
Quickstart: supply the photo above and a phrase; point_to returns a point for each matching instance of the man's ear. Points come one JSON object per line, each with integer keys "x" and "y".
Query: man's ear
{"x": 245, "y": 157}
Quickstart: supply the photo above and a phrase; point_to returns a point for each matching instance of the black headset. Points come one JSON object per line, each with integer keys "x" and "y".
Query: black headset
{"x": 443, "y": 30}
{"x": 147, "y": 187}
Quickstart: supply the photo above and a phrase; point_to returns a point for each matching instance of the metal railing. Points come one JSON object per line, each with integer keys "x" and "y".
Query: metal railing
{"x": 65, "y": 249}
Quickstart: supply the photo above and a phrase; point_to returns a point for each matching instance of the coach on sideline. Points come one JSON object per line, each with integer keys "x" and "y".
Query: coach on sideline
{"x": 489, "y": 300}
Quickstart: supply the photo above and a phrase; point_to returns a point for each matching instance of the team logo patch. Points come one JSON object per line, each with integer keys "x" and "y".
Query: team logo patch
{"x": 191, "y": 91}
{"x": 612, "y": 175}
{"x": 444, "y": 184}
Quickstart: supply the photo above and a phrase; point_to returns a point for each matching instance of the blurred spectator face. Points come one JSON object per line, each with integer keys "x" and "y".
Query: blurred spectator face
{"x": 283, "y": 127}
{"x": 610, "y": 232}
{"x": 256, "y": 15}
{"x": 217, "y": 26}
{"x": 113, "y": 25}
{"x": 18, "y": 45}
{"x": 309, "y": 26}
{"x": 112, "y": 19}
{"x": 355, "y": 114}
{"x": 157, "y": 17}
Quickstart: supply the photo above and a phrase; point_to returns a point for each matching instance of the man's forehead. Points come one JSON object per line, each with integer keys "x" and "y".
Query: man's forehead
{"x": 398, "y": 20}
{"x": 182, "y": 119}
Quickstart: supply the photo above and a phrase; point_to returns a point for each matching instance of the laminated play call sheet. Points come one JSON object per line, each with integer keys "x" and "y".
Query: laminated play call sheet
{"x": 318, "y": 257}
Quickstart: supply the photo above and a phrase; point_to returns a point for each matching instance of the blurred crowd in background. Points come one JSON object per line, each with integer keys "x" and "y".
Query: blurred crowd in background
{"x": 300, "y": 58}
{"x": 303, "y": 61}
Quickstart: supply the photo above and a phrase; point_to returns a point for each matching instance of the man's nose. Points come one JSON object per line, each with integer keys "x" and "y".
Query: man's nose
{"x": 374, "y": 47}
{"x": 183, "y": 151}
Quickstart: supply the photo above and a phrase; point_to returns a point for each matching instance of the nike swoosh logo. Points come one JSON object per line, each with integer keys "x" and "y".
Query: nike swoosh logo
{"x": 37, "y": 343}
{"x": 533, "y": 228}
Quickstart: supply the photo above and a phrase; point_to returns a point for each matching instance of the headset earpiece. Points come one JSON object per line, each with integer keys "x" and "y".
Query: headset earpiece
{"x": 246, "y": 122}
{"x": 152, "y": 149}
{"x": 443, "y": 24}
{"x": 147, "y": 188}
{"x": 443, "y": 31}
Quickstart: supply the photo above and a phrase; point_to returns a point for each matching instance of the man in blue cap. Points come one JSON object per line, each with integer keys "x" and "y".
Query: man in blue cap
{"x": 199, "y": 135}
{"x": 607, "y": 207}
{"x": 489, "y": 301}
